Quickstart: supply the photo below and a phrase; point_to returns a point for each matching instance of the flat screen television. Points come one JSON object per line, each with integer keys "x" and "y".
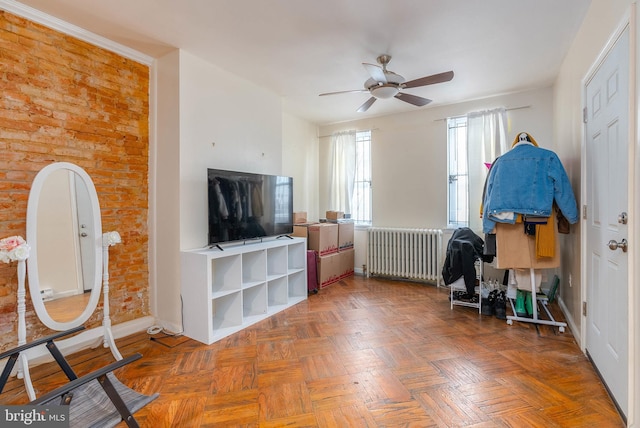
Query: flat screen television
{"x": 244, "y": 206}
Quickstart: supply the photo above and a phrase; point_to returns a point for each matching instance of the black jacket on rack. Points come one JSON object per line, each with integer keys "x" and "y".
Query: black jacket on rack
{"x": 463, "y": 249}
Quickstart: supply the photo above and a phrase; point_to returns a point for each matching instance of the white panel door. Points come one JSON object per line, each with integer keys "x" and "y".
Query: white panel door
{"x": 607, "y": 145}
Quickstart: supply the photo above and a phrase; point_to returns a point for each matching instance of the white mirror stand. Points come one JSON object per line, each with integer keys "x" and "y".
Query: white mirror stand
{"x": 108, "y": 239}
{"x": 99, "y": 241}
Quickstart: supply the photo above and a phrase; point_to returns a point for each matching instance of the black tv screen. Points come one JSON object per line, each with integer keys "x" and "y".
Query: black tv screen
{"x": 246, "y": 206}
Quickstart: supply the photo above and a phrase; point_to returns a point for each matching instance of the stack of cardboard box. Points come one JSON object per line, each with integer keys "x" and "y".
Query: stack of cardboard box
{"x": 333, "y": 242}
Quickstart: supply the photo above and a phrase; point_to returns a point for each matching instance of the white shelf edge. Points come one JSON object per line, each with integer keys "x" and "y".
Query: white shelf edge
{"x": 276, "y": 276}
{"x": 218, "y": 294}
{"x": 252, "y": 283}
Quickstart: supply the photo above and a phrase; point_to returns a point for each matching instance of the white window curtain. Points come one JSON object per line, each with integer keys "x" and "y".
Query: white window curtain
{"x": 486, "y": 140}
{"x": 343, "y": 148}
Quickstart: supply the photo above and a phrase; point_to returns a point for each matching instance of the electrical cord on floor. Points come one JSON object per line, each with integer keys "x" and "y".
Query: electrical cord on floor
{"x": 157, "y": 329}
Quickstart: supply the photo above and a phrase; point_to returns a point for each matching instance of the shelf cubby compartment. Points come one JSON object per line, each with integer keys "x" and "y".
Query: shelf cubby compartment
{"x": 297, "y": 257}
{"x": 254, "y": 268}
{"x": 254, "y": 301}
{"x": 226, "y": 312}
{"x": 277, "y": 291}
{"x": 277, "y": 262}
{"x": 297, "y": 285}
{"x": 225, "y": 275}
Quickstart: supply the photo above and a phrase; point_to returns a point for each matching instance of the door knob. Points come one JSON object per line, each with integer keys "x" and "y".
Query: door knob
{"x": 615, "y": 245}
{"x": 84, "y": 234}
{"x": 622, "y": 218}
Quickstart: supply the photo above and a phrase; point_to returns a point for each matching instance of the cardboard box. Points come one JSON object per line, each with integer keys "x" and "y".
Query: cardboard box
{"x": 329, "y": 269}
{"x": 345, "y": 235}
{"x": 347, "y": 259}
{"x": 323, "y": 238}
{"x": 334, "y": 267}
{"x": 334, "y": 215}
{"x": 301, "y": 230}
{"x": 299, "y": 217}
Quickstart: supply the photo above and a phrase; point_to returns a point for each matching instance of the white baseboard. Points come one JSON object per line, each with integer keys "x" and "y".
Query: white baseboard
{"x": 130, "y": 327}
{"x": 88, "y": 339}
{"x": 575, "y": 331}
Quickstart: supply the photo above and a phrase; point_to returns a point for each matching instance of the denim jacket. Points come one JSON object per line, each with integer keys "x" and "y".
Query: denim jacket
{"x": 527, "y": 180}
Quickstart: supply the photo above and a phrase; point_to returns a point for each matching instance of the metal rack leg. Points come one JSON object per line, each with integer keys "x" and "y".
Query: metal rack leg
{"x": 535, "y": 319}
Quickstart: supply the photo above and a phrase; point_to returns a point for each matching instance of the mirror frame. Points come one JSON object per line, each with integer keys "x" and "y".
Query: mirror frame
{"x": 32, "y": 239}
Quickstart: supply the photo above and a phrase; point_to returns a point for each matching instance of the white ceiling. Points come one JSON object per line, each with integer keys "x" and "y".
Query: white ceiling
{"x": 301, "y": 48}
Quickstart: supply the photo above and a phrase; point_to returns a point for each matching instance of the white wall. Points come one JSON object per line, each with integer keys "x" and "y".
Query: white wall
{"x": 164, "y": 195}
{"x": 242, "y": 119}
{"x": 409, "y": 157}
{"x": 300, "y": 160}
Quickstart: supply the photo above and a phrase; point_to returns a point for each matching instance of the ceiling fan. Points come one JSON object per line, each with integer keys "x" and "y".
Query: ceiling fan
{"x": 385, "y": 84}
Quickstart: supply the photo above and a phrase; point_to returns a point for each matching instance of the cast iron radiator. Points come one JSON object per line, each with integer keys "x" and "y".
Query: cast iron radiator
{"x": 413, "y": 254}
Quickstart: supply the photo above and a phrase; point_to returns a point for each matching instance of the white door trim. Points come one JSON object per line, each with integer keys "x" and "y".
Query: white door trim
{"x": 630, "y": 20}
{"x": 633, "y": 420}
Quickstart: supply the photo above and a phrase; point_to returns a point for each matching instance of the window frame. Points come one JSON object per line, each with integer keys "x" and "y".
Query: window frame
{"x": 361, "y": 201}
{"x": 457, "y": 168}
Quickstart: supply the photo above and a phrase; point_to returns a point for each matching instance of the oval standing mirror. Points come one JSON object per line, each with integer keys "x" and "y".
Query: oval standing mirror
{"x": 64, "y": 231}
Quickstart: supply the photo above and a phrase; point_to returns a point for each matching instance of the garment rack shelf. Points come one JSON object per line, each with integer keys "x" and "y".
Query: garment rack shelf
{"x": 541, "y": 299}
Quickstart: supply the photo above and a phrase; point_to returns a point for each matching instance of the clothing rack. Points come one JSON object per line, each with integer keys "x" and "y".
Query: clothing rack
{"x": 525, "y": 153}
{"x": 535, "y": 298}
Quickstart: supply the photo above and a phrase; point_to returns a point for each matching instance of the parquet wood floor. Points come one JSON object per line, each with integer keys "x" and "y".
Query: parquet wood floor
{"x": 362, "y": 353}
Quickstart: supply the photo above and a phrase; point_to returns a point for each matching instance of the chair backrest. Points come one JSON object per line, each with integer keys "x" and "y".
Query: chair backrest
{"x": 96, "y": 398}
{"x": 14, "y": 354}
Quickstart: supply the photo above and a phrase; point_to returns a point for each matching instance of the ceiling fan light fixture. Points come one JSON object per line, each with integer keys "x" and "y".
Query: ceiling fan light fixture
{"x": 384, "y": 91}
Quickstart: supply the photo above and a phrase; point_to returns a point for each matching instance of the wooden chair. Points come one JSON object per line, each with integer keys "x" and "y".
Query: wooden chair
{"x": 95, "y": 399}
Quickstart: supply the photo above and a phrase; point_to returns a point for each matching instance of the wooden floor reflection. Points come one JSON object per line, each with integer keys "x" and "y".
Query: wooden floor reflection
{"x": 67, "y": 308}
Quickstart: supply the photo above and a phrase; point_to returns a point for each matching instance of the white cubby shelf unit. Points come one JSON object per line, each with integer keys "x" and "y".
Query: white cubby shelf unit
{"x": 226, "y": 291}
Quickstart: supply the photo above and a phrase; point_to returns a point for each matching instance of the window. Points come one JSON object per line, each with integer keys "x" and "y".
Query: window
{"x": 350, "y": 189}
{"x": 474, "y": 142}
{"x": 361, "y": 201}
{"x": 284, "y": 200}
{"x": 458, "y": 189}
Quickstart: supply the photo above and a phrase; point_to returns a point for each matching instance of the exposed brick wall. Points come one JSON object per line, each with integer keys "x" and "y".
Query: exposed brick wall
{"x": 66, "y": 100}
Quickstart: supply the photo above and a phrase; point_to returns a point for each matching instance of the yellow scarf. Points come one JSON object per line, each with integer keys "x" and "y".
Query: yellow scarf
{"x": 546, "y": 237}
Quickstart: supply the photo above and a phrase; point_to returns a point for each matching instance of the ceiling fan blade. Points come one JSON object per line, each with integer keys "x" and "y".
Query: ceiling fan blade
{"x": 376, "y": 72}
{"x": 344, "y": 92}
{"x": 429, "y": 80}
{"x": 412, "y": 99}
{"x": 364, "y": 107}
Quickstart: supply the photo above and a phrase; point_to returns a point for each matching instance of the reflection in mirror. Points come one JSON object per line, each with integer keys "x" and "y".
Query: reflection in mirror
{"x": 67, "y": 309}
{"x": 65, "y": 261}
{"x": 64, "y": 230}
